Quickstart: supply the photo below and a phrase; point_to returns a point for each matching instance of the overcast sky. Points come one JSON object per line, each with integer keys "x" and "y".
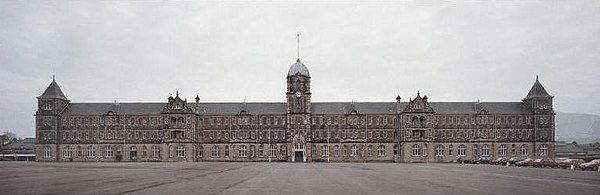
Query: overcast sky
{"x": 236, "y": 51}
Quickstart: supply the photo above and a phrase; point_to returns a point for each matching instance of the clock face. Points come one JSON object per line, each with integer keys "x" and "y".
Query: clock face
{"x": 298, "y": 94}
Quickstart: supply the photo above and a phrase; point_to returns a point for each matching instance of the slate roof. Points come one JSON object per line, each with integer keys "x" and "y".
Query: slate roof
{"x": 21, "y": 144}
{"x": 233, "y": 108}
{"x": 298, "y": 67}
{"x": 53, "y": 91}
{"x": 537, "y": 90}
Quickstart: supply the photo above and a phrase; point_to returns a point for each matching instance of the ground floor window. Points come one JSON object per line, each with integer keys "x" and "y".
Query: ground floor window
{"x": 354, "y": 150}
{"x": 544, "y": 150}
{"x": 91, "y": 152}
{"x": 200, "y": 151}
{"x": 502, "y": 150}
{"x": 47, "y": 152}
{"x": 370, "y": 150}
{"x": 243, "y": 151}
{"x": 416, "y": 150}
{"x": 381, "y": 150}
{"x": 524, "y": 150}
{"x": 325, "y": 151}
{"x": 180, "y": 151}
{"x": 336, "y": 150}
{"x": 155, "y": 152}
{"x": 439, "y": 150}
{"x": 485, "y": 150}
{"x": 214, "y": 152}
{"x": 108, "y": 151}
{"x": 68, "y": 153}
{"x": 272, "y": 150}
{"x": 461, "y": 150}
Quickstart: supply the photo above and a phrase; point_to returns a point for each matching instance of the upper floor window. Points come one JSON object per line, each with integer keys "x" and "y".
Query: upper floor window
{"x": 47, "y": 107}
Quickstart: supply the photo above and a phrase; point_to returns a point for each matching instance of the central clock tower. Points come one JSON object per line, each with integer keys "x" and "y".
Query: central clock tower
{"x": 298, "y": 89}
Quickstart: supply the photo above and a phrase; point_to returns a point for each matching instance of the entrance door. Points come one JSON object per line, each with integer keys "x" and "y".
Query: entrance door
{"x": 298, "y": 156}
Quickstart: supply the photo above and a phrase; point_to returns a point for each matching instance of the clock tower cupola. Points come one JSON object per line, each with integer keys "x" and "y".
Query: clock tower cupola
{"x": 298, "y": 88}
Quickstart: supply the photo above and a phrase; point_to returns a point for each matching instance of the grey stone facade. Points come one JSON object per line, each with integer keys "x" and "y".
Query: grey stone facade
{"x": 296, "y": 130}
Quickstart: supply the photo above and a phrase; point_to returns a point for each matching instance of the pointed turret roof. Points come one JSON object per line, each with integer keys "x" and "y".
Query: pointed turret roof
{"x": 53, "y": 91}
{"x": 537, "y": 91}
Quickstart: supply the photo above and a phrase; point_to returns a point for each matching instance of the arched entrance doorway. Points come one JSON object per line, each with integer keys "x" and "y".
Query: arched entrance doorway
{"x": 298, "y": 149}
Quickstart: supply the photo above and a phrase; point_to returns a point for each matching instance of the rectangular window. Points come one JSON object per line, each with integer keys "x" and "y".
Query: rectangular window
{"x": 91, "y": 152}
{"x": 325, "y": 151}
{"x": 180, "y": 152}
{"x": 108, "y": 151}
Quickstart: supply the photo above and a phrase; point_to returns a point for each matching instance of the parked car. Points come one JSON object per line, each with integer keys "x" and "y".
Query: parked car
{"x": 525, "y": 163}
{"x": 566, "y": 164}
{"x": 512, "y": 161}
{"x": 499, "y": 161}
{"x": 592, "y": 165}
{"x": 544, "y": 162}
{"x": 481, "y": 160}
{"x": 463, "y": 160}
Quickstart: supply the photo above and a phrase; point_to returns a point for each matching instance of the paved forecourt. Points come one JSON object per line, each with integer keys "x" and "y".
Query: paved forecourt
{"x": 289, "y": 178}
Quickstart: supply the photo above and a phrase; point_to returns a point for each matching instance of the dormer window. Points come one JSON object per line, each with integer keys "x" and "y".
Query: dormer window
{"x": 177, "y": 106}
{"x": 418, "y": 106}
{"x": 47, "y": 107}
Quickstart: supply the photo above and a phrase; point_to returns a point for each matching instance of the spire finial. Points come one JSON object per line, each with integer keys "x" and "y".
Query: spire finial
{"x": 298, "y": 36}
{"x": 53, "y": 78}
{"x": 536, "y": 78}
{"x": 177, "y": 93}
{"x": 418, "y": 93}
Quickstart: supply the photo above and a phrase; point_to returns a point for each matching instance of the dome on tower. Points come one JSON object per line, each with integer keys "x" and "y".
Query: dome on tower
{"x": 298, "y": 67}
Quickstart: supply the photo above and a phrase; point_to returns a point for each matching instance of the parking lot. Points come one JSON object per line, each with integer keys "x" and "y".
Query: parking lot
{"x": 289, "y": 178}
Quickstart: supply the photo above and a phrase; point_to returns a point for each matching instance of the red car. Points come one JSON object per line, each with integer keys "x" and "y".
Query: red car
{"x": 525, "y": 163}
{"x": 544, "y": 162}
{"x": 592, "y": 165}
{"x": 566, "y": 164}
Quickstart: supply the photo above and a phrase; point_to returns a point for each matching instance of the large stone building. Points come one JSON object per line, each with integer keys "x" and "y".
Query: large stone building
{"x": 297, "y": 130}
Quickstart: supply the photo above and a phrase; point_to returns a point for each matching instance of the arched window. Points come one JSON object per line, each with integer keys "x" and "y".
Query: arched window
{"x": 336, "y": 150}
{"x": 170, "y": 151}
{"x": 524, "y": 150}
{"x": 370, "y": 150}
{"x": 485, "y": 150}
{"x": 502, "y": 150}
{"x": 381, "y": 150}
{"x": 439, "y": 150}
{"x": 395, "y": 149}
{"x": 354, "y": 150}
{"x": 325, "y": 151}
{"x": 450, "y": 150}
{"x": 214, "y": 152}
{"x": 144, "y": 151}
{"x": 461, "y": 150}
{"x": 544, "y": 150}
{"x": 416, "y": 150}
{"x": 243, "y": 151}
{"x": 424, "y": 153}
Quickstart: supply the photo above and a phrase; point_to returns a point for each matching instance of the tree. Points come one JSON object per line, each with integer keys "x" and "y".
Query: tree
{"x": 7, "y": 137}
